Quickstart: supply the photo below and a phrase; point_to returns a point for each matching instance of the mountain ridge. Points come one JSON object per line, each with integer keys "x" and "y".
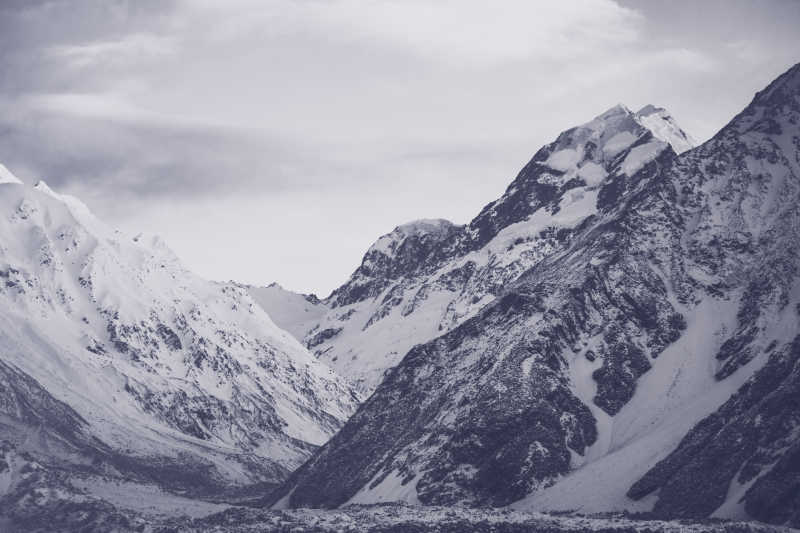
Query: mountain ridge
{"x": 541, "y": 385}
{"x": 415, "y": 285}
{"x": 153, "y": 364}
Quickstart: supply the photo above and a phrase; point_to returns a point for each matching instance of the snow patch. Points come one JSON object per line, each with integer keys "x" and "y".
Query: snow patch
{"x": 390, "y": 489}
{"x": 619, "y": 142}
{"x": 564, "y": 160}
{"x": 527, "y": 365}
{"x": 679, "y": 391}
{"x": 592, "y": 173}
{"x": 640, "y": 155}
{"x": 664, "y": 128}
{"x": 7, "y": 177}
{"x": 293, "y": 312}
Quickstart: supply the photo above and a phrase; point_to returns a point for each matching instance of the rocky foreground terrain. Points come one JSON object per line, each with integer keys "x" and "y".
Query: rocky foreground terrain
{"x": 387, "y": 518}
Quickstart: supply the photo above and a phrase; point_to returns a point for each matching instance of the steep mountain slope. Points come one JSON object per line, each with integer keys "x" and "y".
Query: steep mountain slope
{"x": 428, "y": 276}
{"x": 672, "y": 304}
{"x": 117, "y": 361}
{"x": 746, "y": 455}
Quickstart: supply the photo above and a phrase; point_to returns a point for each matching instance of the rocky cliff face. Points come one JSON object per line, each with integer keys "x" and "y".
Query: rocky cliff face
{"x": 425, "y": 278}
{"x": 116, "y": 360}
{"x": 743, "y": 188}
{"x": 667, "y": 301}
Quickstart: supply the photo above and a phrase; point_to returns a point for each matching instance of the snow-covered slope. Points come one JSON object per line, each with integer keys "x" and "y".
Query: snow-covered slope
{"x": 660, "y": 122}
{"x": 646, "y": 361}
{"x": 7, "y": 177}
{"x": 295, "y": 313}
{"x": 156, "y": 365}
{"x": 428, "y": 276}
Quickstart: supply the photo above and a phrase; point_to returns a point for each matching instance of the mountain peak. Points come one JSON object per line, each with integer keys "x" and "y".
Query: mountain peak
{"x": 649, "y": 109}
{"x": 663, "y": 127}
{"x": 43, "y": 187}
{"x": 611, "y": 133}
{"x": 621, "y": 120}
{"x": 616, "y": 111}
{"x": 78, "y": 209}
{"x": 425, "y": 225}
{"x": 6, "y": 176}
{"x": 437, "y": 227}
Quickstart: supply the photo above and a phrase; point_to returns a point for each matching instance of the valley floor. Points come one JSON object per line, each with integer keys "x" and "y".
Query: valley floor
{"x": 402, "y": 518}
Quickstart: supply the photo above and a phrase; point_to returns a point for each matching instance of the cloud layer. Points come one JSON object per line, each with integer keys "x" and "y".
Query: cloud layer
{"x": 276, "y": 139}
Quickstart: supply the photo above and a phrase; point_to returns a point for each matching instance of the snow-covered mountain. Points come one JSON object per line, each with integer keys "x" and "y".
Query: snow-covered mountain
{"x": 118, "y": 361}
{"x": 621, "y": 330}
{"x": 428, "y": 276}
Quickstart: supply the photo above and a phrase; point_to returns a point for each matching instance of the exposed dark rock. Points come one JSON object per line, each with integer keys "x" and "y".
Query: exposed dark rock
{"x": 752, "y": 436}
{"x": 322, "y": 336}
{"x": 169, "y": 337}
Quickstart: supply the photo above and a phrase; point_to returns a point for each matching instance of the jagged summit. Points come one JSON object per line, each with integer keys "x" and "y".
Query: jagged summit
{"x": 617, "y": 110}
{"x": 661, "y": 124}
{"x": 617, "y": 119}
{"x": 607, "y": 150}
{"x": 613, "y": 131}
{"x": 649, "y": 109}
{"x": 621, "y": 120}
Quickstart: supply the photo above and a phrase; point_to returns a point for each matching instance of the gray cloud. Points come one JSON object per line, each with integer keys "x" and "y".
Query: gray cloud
{"x": 30, "y": 30}
{"x": 144, "y": 160}
{"x": 259, "y": 136}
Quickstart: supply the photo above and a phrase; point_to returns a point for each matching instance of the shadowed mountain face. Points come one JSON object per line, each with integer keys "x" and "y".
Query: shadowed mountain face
{"x": 670, "y": 303}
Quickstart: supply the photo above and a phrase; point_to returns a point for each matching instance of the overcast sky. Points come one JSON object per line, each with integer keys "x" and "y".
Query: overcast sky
{"x": 275, "y": 140}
